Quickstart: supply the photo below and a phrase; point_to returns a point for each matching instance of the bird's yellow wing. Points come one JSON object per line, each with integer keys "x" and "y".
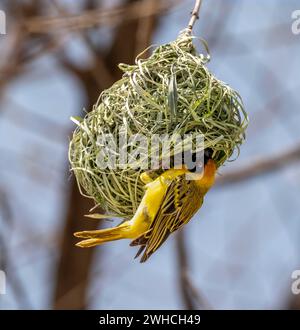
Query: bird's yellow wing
{"x": 182, "y": 199}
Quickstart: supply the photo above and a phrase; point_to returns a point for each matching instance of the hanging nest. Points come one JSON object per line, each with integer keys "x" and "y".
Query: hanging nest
{"x": 172, "y": 91}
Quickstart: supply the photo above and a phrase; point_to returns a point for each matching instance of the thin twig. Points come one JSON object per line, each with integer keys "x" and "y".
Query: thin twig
{"x": 195, "y": 15}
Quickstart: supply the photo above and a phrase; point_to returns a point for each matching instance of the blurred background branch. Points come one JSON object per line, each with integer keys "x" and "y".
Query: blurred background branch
{"x": 112, "y": 17}
{"x": 72, "y": 260}
{"x": 261, "y": 166}
{"x": 191, "y": 296}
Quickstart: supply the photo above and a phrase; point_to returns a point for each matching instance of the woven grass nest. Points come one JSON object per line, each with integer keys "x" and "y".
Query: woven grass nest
{"x": 171, "y": 91}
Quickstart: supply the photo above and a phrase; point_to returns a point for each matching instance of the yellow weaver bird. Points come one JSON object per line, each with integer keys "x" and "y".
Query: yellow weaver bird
{"x": 169, "y": 202}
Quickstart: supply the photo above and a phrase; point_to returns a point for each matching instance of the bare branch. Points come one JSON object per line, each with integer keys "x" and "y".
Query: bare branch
{"x": 261, "y": 166}
{"x": 98, "y": 17}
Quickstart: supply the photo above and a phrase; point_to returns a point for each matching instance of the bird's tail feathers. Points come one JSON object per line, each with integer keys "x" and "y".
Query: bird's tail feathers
{"x": 96, "y": 237}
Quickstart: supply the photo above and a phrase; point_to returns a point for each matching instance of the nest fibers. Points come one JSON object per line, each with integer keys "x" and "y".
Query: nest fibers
{"x": 170, "y": 92}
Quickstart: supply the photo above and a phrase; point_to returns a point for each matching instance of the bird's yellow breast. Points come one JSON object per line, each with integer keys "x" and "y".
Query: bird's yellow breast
{"x": 156, "y": 191}
{"x": 152, "y": 200}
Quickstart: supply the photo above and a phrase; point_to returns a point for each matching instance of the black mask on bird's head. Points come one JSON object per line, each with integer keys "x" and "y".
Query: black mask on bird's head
{"x": 198, "y": 167}
{"x": 207, "y": 155}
